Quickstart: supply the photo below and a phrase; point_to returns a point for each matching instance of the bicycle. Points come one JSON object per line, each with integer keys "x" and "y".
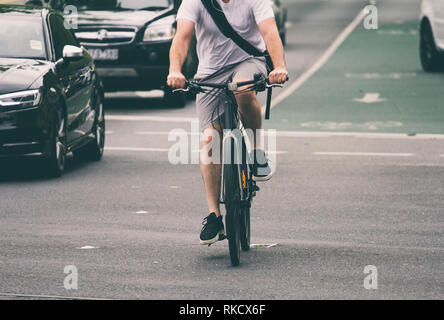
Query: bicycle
{"x": 238, "y": 187}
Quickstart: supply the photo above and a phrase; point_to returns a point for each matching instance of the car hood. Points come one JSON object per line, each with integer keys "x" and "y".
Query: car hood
{"x": 135, "y": 18}
{"x": 20, "y": 74}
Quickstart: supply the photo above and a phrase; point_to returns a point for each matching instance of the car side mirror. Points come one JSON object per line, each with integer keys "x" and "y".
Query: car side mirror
{"x": 72, "y": 53}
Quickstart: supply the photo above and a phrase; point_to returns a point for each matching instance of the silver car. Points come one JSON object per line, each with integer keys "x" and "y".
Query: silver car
{"x": 432, "y": 35}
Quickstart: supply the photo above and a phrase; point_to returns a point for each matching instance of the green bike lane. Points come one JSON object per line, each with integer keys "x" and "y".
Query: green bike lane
{"x": 373, "y": 83}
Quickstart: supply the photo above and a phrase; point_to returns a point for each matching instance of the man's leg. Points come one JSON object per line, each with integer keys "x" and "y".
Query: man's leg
{"x": 251, "y": 113}
{"x": 211, "y": 172}
{"x": 251, "y": 116}
{"x": 213, "y": 229}
{"x": 250, "y": 110}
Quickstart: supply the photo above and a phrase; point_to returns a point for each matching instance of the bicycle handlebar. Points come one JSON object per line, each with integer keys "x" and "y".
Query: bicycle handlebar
{"x": 259, "y": 84}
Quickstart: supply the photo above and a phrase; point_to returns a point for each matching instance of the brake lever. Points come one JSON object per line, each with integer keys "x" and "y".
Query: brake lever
{"x": 274, "y": 85}
{"x": 181, "y": 90}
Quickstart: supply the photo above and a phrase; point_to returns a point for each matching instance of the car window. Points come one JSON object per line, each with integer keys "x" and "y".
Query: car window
{"x": 60, "y": 35}
{"x": 21, "y": 38}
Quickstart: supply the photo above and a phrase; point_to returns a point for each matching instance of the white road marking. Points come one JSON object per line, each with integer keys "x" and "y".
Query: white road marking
{"x": 142, "y": 212}
{"x": 366, "y": 154}
{"x": 122, "y": 117}
{"x": 264, "y": 245}
{"x": 167, "y": 150}
{"x": 370, "y": 135}
{"x": 137, "y": 149}
{"x": 346, "y": 244}
{"x": 24, "y": 295}
{"x": 88, "y": 248}
{"x": 377, "y": 76}
{"x": 321, "y": 62}
{"x": 327, "y": 134}
{"x": 165, "y": 133}
{"x": 370, "y": 126}
{"x": 135, "y": 94}
{"x": 371, "y": 98}
{"x": 394, "y": 32}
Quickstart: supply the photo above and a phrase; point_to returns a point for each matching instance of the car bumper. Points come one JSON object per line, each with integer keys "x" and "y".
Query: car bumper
{"x": 138, "y": 67}
{"x": 21, "y": 134}
{"x": 132, "y": 77}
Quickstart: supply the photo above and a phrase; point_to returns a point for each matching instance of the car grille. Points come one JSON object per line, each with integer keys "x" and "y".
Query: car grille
{"x": 102, "y": 36}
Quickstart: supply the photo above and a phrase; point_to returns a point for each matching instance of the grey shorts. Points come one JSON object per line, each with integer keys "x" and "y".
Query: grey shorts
{"x": 210, "y": 105}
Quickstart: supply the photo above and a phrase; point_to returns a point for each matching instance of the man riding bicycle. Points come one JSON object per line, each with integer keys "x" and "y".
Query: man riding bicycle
{"x": 221, "y": 59}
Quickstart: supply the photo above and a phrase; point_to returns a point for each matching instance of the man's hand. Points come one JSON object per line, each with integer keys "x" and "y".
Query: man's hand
{"x": 176, "y": 80}
{"x": 278, "y": 76}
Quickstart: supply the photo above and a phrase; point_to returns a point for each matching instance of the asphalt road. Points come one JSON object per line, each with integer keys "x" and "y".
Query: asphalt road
{"x": 340, "y": 201}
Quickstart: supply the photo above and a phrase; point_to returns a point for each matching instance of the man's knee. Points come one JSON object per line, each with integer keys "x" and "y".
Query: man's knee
{"x": 210, "y": 134}
{"x": 211, "y": 144}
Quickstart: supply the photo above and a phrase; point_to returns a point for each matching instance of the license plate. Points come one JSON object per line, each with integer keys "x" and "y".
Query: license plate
{"x": 104, "y": 54}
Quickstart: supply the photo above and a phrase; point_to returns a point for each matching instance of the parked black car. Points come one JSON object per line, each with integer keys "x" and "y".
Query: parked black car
{"x": 50, "y": 94}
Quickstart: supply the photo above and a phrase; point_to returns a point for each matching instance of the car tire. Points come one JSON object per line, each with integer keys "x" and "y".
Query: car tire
{"x": 431, "y": 58}
{"x": 55, "y": 160}
{"x": 93, "y": 151}
{"x": 174, "y": 99}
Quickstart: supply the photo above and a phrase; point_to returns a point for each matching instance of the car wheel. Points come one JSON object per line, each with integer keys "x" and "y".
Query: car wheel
{"x": 174, "y": 99}
{"x": 56, "y": 158}
{"x": 93, "y": 151}
{"x": 431, "y": 58}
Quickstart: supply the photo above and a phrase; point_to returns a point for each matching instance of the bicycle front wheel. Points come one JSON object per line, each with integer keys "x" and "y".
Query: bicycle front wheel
{"x": 231, "y": 190}
{"x": 233, "y": 232}
{"x": 245, "y": 229}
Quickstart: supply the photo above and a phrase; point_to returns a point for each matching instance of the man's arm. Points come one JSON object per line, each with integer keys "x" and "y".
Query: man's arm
{"x": 178, "y": 53}
{"x": 270, "y": 33}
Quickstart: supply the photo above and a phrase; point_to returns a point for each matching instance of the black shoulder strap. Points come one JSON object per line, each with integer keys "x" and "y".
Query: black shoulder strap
{"x": 216, "y": 12}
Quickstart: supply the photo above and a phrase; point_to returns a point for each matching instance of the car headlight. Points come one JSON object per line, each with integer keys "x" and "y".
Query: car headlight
{"x": 162, "y": 29}
{"x": 22, "y": 99}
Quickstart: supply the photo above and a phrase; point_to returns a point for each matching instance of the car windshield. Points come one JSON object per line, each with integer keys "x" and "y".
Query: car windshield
{"x": 21, "y": 38}
{"x": 119, "y": 4}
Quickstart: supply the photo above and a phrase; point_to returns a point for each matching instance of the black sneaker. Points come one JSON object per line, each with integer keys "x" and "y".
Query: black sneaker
{"x": 213, "y": 230}
{"x": 261, "y": 167}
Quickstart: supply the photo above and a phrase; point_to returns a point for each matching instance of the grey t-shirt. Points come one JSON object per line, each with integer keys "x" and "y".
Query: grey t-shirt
{"x": 213, "y": 48}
